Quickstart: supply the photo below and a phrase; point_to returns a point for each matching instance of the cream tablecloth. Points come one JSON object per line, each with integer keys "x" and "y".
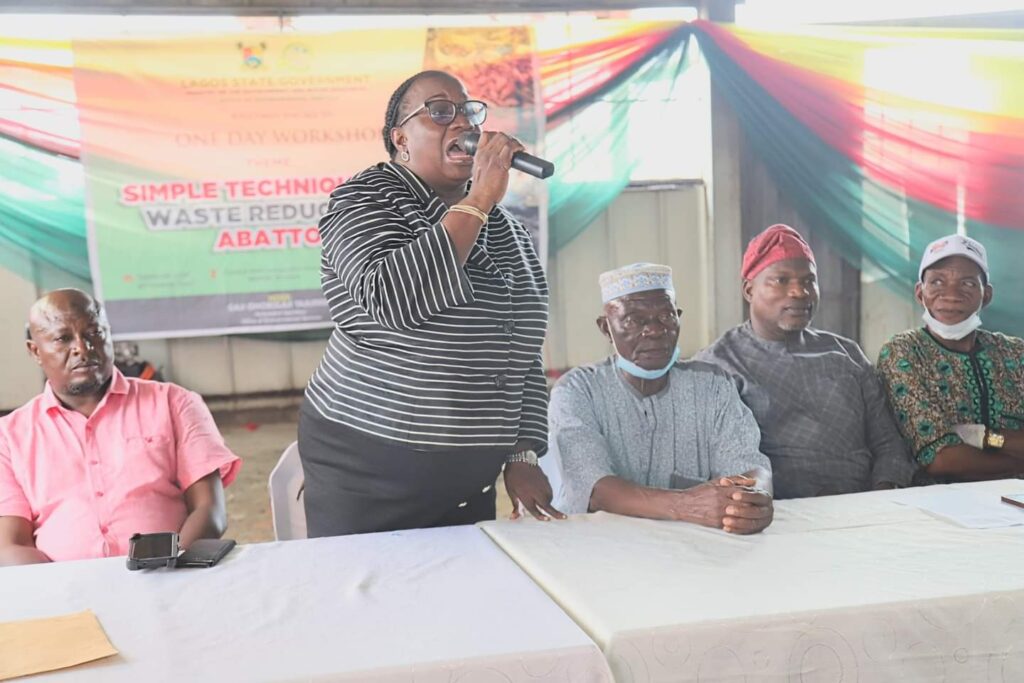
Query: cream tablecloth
{"x": 845, "y": 588}
{"x": 433, "y": 606}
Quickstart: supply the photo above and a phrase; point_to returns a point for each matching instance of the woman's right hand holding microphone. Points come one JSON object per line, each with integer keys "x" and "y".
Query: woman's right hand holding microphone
{"x": 491, "y": 165}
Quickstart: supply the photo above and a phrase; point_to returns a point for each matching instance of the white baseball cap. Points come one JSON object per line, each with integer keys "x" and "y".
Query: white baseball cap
{"x": 954, "y": 245}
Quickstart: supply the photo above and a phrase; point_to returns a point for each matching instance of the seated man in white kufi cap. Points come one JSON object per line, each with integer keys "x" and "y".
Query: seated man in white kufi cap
{"x": 645, "y": 435}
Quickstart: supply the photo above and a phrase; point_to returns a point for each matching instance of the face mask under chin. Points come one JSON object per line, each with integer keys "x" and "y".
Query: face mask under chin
{"x": 954, "y": 332}
{"x": 631, "y": 368}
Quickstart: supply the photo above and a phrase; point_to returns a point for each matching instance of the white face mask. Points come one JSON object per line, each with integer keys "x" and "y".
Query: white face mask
{"x": 632, "y": 368}
{"x": 952, "y": 332}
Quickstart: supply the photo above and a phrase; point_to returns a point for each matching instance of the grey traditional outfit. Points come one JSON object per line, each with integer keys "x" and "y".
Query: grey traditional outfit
{"x": 599, "y": 426}
{"x": 825, "y": 423}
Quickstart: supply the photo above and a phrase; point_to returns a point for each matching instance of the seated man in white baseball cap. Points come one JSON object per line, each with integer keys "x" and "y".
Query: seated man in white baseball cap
{"x": 645, "y": 435}
{"x": 957, "y": 390}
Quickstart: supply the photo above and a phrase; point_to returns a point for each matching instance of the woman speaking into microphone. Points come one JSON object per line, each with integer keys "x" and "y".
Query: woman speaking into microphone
{"x": 433, "y": 379}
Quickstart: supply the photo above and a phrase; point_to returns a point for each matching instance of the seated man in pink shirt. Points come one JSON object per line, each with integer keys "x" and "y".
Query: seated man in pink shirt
{"x": 97, "y": 456}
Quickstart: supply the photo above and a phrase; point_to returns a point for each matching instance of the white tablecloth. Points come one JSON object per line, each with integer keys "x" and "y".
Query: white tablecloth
{"x": 442, "y": 605}
{"x": 844, "y": 588}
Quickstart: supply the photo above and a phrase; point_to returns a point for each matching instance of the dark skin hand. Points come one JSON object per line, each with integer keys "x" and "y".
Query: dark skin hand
{"x": 730, "y": 503}
{"x": 747, "y": 508}
{"x": 1014, "y": 444}
{"x": 644, "y": 328}
{"x": 967, "y": 463}
{"x": 207, "y": 514}
{"x": 17, "y": 543}
{"x": 435, "y": 157}
{"x": 207, "y": 518}
{"x": 528, "y": 485}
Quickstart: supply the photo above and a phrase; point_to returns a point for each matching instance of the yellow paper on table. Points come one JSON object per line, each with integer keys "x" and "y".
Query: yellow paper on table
{"x": 37, "y": 645}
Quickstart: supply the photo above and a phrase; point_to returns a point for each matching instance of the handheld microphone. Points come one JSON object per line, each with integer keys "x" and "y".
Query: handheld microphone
{"x": 521, "y": 161}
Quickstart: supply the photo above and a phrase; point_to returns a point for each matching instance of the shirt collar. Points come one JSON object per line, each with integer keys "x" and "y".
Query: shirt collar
{"x": 423, "y": 192}
{"x": 979, "y": 342}
{"x": 419, "y": 188}
{"x": 633, "y": 390}
{"x": 118, "y": 385}
{"x": 748, "y": 330}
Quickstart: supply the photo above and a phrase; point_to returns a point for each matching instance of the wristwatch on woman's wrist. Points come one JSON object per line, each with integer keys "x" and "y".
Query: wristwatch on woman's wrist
{"x": 527, "y": 456}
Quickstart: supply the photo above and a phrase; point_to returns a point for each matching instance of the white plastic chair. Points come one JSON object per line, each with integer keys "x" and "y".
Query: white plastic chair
{"x": 285, "y": 486}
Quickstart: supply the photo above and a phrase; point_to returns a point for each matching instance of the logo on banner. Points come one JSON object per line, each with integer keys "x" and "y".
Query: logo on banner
{"x": 252, "y": 55}
{"x": 296, "y": 56}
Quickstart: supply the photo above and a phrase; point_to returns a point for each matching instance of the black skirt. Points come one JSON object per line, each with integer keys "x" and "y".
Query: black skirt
{"x": 357, "y": 484}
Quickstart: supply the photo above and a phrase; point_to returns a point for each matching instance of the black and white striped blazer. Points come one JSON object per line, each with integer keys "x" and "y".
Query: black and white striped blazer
{"x": 424, "y": 352}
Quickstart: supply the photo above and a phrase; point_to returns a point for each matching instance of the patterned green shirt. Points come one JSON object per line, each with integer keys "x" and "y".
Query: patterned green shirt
{"x": 932, "y": 389}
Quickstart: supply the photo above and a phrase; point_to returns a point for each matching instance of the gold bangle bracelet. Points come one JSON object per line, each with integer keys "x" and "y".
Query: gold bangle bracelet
{"x": 471, "y": 210}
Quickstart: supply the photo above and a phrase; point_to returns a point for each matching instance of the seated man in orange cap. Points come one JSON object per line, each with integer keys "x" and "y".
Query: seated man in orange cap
{"x": 825, "y": 423}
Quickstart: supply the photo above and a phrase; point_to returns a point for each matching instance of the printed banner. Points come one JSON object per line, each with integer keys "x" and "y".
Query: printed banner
{"x": 209, "y": 161}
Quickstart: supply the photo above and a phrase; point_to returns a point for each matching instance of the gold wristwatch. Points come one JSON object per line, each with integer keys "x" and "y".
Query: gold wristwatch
{"x": 993, "y": 440}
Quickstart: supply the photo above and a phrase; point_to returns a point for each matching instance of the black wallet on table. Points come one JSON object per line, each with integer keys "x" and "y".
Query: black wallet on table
{"x": 206, "y": 552}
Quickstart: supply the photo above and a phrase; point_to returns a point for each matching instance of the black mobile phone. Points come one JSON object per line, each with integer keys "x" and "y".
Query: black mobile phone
{"x": 205, "y": 552}
{"x": 146, "y": 551}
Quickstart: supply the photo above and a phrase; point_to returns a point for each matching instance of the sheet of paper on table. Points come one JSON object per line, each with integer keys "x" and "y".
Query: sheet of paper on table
{"x": 37, "y": 645}
{"x": 969, "y": 509}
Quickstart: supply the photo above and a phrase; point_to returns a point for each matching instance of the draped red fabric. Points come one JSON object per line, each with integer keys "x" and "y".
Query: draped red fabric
{"x": 978, "y": 172}
{"x": 572, "y": 75}
{"x": 962, "y": 161}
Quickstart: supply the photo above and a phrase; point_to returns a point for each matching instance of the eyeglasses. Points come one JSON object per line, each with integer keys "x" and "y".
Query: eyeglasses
{"x": 443, "y": 112}
{"x": 665, "y": 318}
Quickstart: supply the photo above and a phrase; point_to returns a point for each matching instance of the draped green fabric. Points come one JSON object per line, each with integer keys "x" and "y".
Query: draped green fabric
{"x": 42, "y": 207}
{"x": 42, "y": 213}
{"x": 591, "y": 150}
{"x": 863, "y": 218}
{"x": 877, "y": 161}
